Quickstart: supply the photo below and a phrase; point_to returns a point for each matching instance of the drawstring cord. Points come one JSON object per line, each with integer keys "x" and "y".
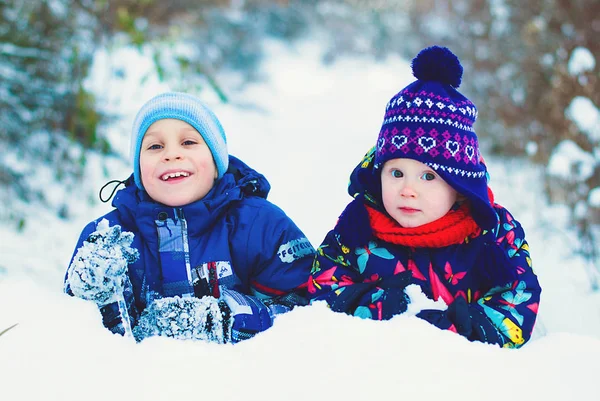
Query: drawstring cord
{"x": 118, "y": 182}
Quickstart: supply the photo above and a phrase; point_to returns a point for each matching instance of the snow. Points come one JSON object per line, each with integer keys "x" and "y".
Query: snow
{"x": 594, "y": 197}
{"x": 59, "y": 351}
{"x": 586, "y": 116}
{"x": 581, "y": 60}
{"x": 309, "y": 127}
{"x": 569, "y": 160}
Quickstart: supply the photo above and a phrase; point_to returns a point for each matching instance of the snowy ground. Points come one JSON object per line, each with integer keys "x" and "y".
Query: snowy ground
{"x": 310, "y": 126}
{"x": 60, "y": 352}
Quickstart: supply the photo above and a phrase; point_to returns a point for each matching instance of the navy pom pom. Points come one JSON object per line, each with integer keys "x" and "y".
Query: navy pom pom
{"x": 437, "y": 63}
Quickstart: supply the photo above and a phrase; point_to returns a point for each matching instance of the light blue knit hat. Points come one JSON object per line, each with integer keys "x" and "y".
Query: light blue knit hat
{"x": 187, "y": 108}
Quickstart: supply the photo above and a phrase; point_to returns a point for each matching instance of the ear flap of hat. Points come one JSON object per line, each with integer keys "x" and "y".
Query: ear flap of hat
{"x": 365, "y": 178}
{"x": 476, "y": 191}
{"x": 354, "y": 226}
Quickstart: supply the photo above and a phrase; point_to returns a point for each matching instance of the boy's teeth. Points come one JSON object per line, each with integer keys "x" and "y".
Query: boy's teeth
{"x": 173, "y": 175}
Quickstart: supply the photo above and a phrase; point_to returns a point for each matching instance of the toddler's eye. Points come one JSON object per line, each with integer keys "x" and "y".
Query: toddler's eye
{"x": 154, "y": 147}
{"x": 189, "y": 142}
{"x": 428, "y": 176}
{"x": 397, "y": 174}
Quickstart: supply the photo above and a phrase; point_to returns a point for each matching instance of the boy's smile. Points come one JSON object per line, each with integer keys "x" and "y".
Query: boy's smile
{"x": 413, "y": 194}
{"x": 176, "y": 165}
{"x": 175, "y": 175}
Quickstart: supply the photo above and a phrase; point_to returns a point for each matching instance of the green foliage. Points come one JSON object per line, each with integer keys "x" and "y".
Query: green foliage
{"x": 83, "y": 124}
{"x": 46, "y": 54}
{"x": 126, "y": 23}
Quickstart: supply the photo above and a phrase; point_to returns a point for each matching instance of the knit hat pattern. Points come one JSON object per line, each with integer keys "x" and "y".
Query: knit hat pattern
{"x": 431, "y": 122}
{"x": 187, "y": 108}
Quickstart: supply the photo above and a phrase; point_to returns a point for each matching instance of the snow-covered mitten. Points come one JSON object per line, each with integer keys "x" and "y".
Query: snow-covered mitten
{"x": 99, "y": 269}
{"x": 99, "y": 273}
{"x": 206, "y": 319}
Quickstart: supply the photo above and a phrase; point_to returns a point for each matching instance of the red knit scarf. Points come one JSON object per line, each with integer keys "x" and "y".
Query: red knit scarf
{"x": 453, "y": 228}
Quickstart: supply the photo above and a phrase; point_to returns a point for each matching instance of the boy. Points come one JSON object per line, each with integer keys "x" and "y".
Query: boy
{"x": 192, "y": 249}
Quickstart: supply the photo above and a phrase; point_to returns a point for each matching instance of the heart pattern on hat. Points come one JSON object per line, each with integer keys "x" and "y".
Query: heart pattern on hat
{"x": 453, "y": 147}
{"x": 470, "y": 151}
{"x": 399, "y": 141}
{"x": 429, "y": 145}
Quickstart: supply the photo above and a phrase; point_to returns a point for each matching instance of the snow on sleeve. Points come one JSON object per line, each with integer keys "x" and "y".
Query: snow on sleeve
{"x": 99, "y": 269}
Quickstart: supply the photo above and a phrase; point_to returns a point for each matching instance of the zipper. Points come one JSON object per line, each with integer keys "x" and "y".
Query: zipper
{"x": 186, "y": 246}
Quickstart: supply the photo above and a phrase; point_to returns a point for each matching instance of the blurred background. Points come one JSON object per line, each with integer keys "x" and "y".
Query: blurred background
{"x": 532, "y": 71}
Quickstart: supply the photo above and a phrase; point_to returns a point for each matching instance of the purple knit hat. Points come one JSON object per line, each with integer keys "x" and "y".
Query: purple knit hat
{"x": 431, "y": 122}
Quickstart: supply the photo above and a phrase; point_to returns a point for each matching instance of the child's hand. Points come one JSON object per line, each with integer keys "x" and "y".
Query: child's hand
{"x": 472, "y": 323}
{"x": 465, "y": 319}
{"x": 394, "y": 300}
{"x": 99, "y": 269}
{"x": 249, "y": 315}
{"x": 207, "y": 319}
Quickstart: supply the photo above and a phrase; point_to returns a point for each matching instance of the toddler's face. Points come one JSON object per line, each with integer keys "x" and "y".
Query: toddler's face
{"x": 413, "y": 194}
{"x": 176, "y": 165}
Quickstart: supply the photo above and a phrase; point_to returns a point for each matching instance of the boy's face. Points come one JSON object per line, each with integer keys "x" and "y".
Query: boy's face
{"x": 176, "y": 165}
{"x": 413, "y": 194}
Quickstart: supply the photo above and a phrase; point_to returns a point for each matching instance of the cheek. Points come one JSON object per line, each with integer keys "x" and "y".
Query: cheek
{"x": 388, "y": 195}
{"x": 145, "y": 167}
{"x": 207, "y": 164}
{"x": 450, "y": 196}
{"x": 146, "y": 170}
{"x": 390, "y": 188}
{"x": 206, "y": 170}
{"x": 384, "y": 191}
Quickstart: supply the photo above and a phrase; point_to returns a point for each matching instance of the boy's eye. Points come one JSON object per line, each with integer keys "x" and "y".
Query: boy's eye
{"x": 154, "y": 147}
{"x": 397, "y": 174}
{"x": 428, "y": 176}
{"x": 189, "y": 142}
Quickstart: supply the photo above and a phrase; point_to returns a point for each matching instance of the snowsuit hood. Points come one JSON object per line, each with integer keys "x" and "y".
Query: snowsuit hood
{"x": 239, "y": 181}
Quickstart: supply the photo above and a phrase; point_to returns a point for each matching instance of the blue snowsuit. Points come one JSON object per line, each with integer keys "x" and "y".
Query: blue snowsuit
{"x": 232, "y": 240}
{"x": 488, "y": 281}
